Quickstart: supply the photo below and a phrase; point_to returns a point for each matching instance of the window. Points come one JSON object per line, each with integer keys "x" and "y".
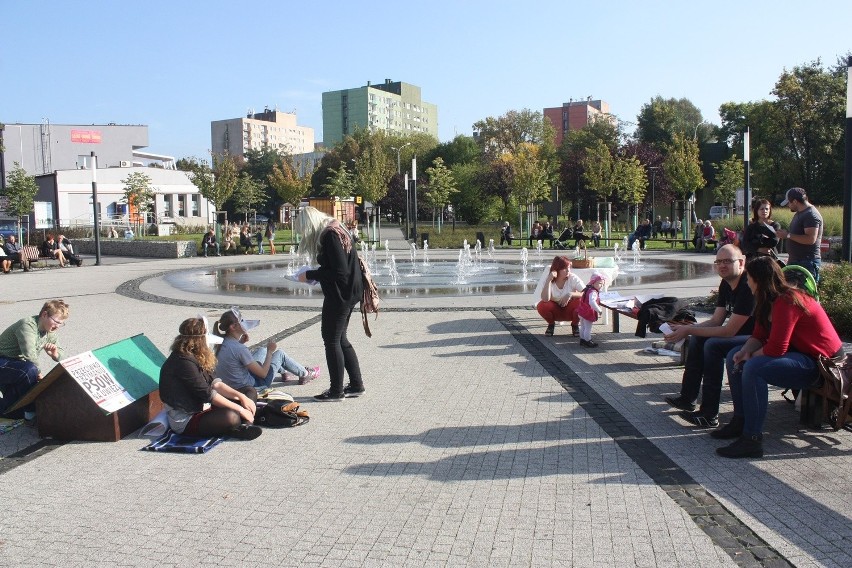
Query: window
{"x": 181, "y": 203}
{"x": 196, "y": 202}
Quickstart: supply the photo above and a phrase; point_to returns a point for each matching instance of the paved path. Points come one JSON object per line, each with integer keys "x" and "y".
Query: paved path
{"x": 479, "y": 443}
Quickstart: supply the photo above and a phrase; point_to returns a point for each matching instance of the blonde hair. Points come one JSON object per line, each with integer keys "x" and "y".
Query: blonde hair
{"x": 56, "y": 308}
{"x": 310, "y": 224}
{"x": 193, "y": 341}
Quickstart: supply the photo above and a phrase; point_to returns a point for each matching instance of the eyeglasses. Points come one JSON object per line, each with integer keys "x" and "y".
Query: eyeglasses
{"x": 56, "y": 322}
{"x": 725, "y": 261}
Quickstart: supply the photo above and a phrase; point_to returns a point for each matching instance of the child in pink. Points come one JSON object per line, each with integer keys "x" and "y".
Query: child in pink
{"x": 589, "y": 309}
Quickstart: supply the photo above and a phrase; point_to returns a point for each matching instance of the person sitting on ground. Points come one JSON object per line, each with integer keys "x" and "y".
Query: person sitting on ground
{"x": 597, "y": 231}
{"x": 68, "y": 250}
{"x": 209, "y": 242}
{"x": 760, "y": 236}
{"x": 250, "y": 371}
{"x": 711, "y": 340}
{"x": 50, "y": 248}
{"x": 579, "y": 236}
{"x": 14, "y": 253}
{"x": 20, "y": 345}
{"x": 245, "y": 240}
{"x": 641, "y": 234}
{"x": 791, "y": 332}
{"x": 506, "y": 234}
{"x": 708, "y": 234}
{"x": 560, "y": 296}
{"x": 547, "y": 233}
{"x": 196, "y": 403}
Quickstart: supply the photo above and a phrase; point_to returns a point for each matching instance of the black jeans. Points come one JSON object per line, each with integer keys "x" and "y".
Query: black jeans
{"x": 705, "y": 363}
{"x": 339, "y": 353}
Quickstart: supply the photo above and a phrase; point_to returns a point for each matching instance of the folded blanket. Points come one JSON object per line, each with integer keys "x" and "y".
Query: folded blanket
{"x": 171, "y": 442}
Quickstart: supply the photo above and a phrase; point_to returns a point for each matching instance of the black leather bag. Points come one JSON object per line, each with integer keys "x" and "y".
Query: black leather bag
{"x": 279, "y": 414}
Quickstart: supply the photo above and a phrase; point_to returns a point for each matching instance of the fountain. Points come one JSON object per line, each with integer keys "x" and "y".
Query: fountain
{"x": 413, "y": 256}
{"x": 637, "y": 262}
{"x": 425, "y": 254}
{"x": 464, "y": 267}
{"x": 524, "y": 259}
{"x": 490, "y": 249}
{"x": 393, "y": 273}
{"x": 538, "y": 261}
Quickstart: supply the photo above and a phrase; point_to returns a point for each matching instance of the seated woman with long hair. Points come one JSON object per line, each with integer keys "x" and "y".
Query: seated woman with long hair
{"x": 791, "y": 331}
{"x": 249, "y": 370}
{"x": 196, "y": 403}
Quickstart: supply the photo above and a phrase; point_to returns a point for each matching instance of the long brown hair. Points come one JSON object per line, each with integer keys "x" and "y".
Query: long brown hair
{"x": 755, "y": 206}
{"x": 770, "y": 286}
{"x": 193, "y": 341}
{"x": 560, "y": 262}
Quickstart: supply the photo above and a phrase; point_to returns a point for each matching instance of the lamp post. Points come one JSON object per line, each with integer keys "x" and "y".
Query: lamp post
{"x": 398, "y": 150}
{"x": 97, "y": 225}
{"x": 653, "y": 187}
{"x": 414, "y": 192}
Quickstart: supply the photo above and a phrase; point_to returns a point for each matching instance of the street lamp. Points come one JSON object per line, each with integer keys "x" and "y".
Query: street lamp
{"x": 398, "y": 150}
{"x": 653, "y": 186}
{"x": 695, "y": 130}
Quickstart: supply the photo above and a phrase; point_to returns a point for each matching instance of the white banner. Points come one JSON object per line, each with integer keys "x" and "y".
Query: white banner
{"x": 97, "y": 382}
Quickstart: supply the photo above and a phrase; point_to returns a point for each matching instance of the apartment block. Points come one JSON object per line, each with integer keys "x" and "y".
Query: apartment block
{"x": 574, "y": 115}
{"x": 392, "y": 106}
{"x": 270, "y": 129}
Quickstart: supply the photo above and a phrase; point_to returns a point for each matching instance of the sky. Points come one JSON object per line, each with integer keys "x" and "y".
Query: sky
{"x": 177, "y": 65}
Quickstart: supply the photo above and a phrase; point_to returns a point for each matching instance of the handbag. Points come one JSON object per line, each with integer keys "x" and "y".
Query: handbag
{"x": 279, "y": 414}
{"x": 836, "y": 373}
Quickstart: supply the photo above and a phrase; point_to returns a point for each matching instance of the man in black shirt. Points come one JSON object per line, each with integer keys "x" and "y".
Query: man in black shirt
{"x": 711, "y": 340}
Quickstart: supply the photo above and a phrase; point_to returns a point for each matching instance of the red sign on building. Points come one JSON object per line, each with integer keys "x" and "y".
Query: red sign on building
{"x": 86, "y": 136}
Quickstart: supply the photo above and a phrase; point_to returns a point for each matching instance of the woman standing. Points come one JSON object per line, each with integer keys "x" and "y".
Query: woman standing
{"x": 326, "y": 240}
{"x": 270, "y": 235}
{"x": 195, "y": 402}
{"x": 560, "y": 296}
{"x": 759, "y": 237}
{"x": 791, "y": 331}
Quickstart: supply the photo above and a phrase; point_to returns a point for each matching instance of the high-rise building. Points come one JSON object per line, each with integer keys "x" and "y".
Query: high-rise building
{"x": 270, "y": 129}
{"x": 394, "y": 107}
{"x": 574, "y": 115}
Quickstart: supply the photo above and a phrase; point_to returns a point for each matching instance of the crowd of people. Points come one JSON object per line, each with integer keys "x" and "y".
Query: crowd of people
{"x": 57, "y": 247}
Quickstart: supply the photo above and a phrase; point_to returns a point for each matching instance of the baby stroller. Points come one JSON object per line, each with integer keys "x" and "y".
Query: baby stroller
{"x": 561, "y": 242}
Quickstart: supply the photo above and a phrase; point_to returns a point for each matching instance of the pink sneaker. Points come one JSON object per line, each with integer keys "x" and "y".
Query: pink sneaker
{"x": 313, "y": 373}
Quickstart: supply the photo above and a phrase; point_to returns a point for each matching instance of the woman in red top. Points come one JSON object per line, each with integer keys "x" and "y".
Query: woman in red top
{"x": 791, "y": 331}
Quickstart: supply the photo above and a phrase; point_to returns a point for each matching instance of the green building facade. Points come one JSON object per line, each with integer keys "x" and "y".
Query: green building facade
{"x": 394, "y": 107}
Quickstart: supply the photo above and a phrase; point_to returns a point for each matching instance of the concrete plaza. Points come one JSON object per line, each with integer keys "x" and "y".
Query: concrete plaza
{"x": 480, "y": 442}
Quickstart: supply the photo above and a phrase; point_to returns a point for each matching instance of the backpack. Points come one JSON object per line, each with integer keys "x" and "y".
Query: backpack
{"x": 279, "y": 414}
{"x": 370, "y": 299}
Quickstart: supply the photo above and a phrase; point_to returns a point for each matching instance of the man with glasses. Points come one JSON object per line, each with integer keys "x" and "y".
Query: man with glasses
{"x": 20, "y": 346}
{"x": 711, "y": 340}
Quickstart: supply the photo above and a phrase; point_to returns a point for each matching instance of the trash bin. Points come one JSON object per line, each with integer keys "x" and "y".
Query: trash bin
{"x": 480, "y": 236}
{"x": 423, "y": 238}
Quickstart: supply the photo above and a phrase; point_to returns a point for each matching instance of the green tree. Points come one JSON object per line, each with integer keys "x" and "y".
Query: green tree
{"x": 598, "y": 169}
{"x": 215, "y": 183}
{"x": 341, "y": 184}
{"x": 138, "y": 192}
{"x": 730, "y": 175}
{"x": 507, "y": 133}
{"x": 661, "y": 119}
{"x": 21, "y": 190}
{"x": 440, "y": 188}
{"x": 248, "y": 193}
{"x": 630, "y": 180}
{"x": 373, "y": 170}
{"x": 531, "y": 175}
{"x": 682, "y": 167}
{"x": 291, "y": 180}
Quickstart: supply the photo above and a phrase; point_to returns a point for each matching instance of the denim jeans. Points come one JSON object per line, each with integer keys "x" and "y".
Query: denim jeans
{"x": 278, "y": 359}
{"x": 812, "y": 265}
{"x": 705, "y": 362}
{"x": 749, "y": 383}
{"x": 17, "y": 377}
{"x": 339, "y": 353}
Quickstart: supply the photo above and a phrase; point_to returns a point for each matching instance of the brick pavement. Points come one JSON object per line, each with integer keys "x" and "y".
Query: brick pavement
{"x": 479, "y": 443}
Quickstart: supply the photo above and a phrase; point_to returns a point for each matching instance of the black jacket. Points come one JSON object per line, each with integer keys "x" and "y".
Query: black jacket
{"x": 339, "y": 273}
{"x": 184, "y": 384}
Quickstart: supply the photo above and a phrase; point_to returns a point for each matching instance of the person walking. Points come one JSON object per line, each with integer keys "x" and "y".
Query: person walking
{"x": 328, "y": 243}
{"x": 805, "y": 233}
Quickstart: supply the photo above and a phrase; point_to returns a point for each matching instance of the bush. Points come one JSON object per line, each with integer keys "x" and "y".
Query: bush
{"x": 835, "y": 295}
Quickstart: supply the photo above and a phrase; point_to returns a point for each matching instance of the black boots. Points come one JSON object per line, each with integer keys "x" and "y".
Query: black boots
{"x": 731, "y": 430}
{"x": 750, "y": 446}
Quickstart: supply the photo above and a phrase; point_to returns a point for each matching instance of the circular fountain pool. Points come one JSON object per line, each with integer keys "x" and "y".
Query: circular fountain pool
{"x": 437, "y": 278}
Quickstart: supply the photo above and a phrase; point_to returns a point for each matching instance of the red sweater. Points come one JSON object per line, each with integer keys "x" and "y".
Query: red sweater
{"x": 810, "y": 333}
